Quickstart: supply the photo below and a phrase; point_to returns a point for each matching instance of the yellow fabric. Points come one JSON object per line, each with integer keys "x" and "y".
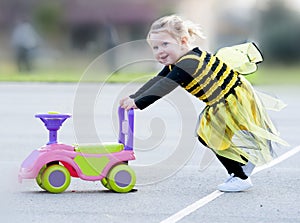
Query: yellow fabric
{"x": 234, "y": 123}
{"x": 239, "y": 126}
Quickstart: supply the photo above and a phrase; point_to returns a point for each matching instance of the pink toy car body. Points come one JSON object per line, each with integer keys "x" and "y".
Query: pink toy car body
{"x": 54, "y": 164}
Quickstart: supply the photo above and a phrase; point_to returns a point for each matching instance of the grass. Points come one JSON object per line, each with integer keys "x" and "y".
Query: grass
{"x": 69, "y": 72}
{"x": 276, "y": 75}
{"x": 71, "y": 77}
{"x": 266, "y": 75}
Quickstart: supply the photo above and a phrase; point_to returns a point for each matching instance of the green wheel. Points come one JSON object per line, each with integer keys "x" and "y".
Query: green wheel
{"x": 105, "y": 183}
{"x": 39, "y": 177}
{"x": 56, "y": 178}
{"x": 121, "y": 178}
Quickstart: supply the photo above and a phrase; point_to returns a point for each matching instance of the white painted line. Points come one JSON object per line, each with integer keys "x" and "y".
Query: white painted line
{"x": 277, "y": 160}
{"x": 193, "y": 207}
{"x": 205, "y": 200}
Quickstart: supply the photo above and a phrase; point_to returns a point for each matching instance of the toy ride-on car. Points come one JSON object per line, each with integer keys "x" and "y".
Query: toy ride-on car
{"x": 54, "y": 164}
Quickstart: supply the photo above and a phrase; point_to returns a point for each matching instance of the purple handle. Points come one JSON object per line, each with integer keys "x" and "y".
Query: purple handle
{"x": 53, "y": 123}
{"x": 130, "y": 128}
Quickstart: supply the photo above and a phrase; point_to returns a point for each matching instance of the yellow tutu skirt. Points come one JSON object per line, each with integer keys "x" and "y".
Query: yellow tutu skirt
{"x": 239, "y": 126}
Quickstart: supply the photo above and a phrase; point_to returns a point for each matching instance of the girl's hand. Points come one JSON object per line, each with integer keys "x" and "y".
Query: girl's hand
{"x": 127, "y": 103}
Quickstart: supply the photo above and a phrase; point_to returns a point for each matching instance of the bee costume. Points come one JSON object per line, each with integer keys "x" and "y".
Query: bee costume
{"x": 234, "y": 123}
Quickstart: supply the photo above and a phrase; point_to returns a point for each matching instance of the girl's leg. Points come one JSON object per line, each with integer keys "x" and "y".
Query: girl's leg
{"x": 232, "y": 167}
{"x": 239, "y": 181}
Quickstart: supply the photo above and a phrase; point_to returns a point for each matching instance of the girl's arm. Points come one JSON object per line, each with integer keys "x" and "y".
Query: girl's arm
{"x": 163, "y": 73}
{"x": 162, "y": 87}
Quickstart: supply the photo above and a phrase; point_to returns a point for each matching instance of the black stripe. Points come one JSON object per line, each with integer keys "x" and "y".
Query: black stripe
{"x": 194, "y": 87}
{"x": 204, "y": 65}
{"x": 215, "y": 65}
{"x": 209, "y": 74}
{"x": 206, "y": 88}
{"x": 200, "y": 93}
{"x": 227, "y": 80}
{"x": 219, "y": 91}
{"x": 232, "y": 90}
{"x": 205, "y": 100}
{"x": 200, "y": 71}
{"x": 221, "y": 72}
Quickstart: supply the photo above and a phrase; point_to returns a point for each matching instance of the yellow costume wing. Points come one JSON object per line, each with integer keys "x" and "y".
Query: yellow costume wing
{"x": 241, "y": 58}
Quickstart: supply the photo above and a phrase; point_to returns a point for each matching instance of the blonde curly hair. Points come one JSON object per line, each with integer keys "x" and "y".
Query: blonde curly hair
{"x": 176, "y": 27}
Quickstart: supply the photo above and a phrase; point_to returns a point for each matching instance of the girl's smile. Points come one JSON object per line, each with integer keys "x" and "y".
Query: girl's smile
{"x": 166, "y": 49}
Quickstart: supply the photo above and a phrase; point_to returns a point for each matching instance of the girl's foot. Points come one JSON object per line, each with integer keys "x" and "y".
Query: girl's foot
{"x": 235, "y": 184}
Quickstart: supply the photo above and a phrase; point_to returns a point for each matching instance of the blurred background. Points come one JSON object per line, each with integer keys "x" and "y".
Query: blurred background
{"x": 56, "y": 40}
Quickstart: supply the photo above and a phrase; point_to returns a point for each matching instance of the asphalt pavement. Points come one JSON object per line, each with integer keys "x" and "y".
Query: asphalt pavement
{"x": 173, "y": 170}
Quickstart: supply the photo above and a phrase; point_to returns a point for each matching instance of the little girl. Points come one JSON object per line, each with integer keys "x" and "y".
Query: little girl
{"x": 233, "y": 114}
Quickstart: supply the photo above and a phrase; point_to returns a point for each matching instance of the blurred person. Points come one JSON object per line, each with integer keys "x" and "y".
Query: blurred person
{"x": 111, "y": 41}
{"x": 25, "y": 41}
{"x": 233, "y": 107}
{"x": 111, "y": 35}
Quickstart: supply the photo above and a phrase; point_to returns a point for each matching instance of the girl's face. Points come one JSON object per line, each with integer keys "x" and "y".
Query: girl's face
{"x": 166, "y": 49}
